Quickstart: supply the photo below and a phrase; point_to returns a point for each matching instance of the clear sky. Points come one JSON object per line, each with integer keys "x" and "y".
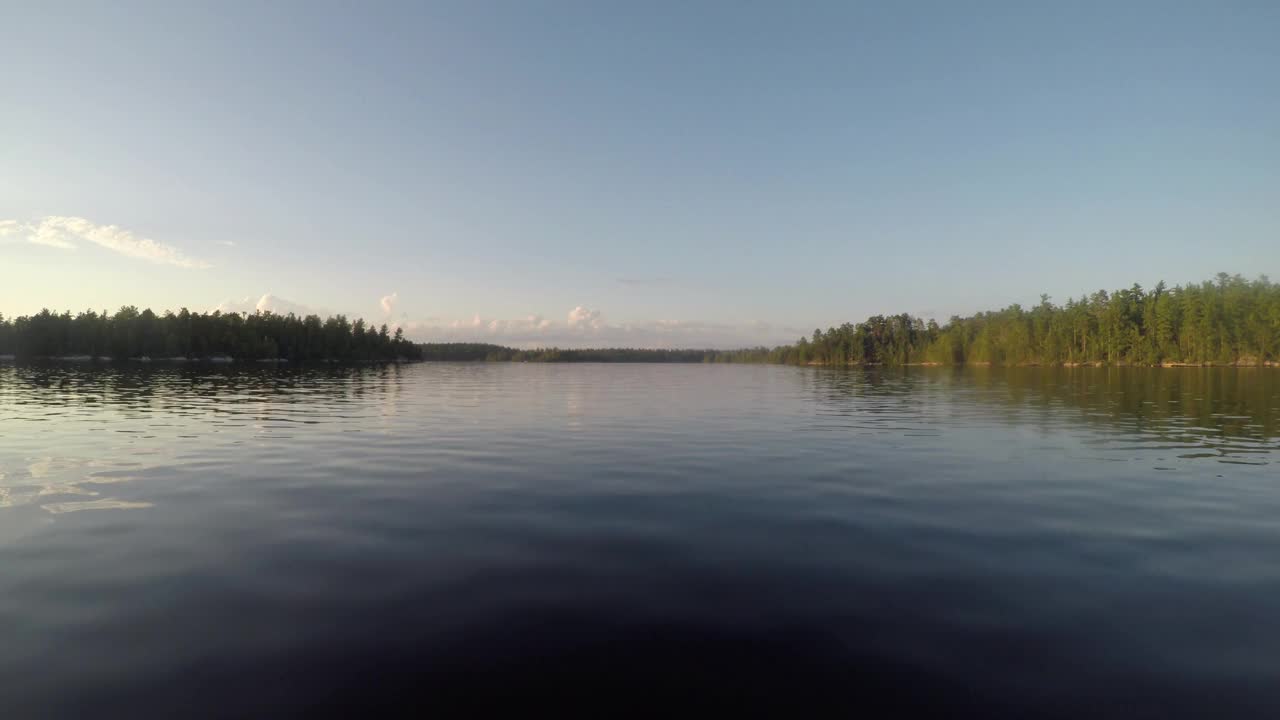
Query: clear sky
{"x": 683, "y": 173}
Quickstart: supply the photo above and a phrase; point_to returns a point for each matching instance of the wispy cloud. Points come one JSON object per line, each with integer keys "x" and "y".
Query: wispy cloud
{"x": 61, "y": 232}
{"x": 34, "y": 234}
{"x": 388, "y": 302}
{"x": 227, "y": 243}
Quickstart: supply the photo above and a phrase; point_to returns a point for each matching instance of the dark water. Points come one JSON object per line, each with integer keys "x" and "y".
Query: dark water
{"x": 456, "y": 539}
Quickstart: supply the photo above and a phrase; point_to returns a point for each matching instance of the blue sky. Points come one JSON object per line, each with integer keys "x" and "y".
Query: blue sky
{"x": 677, "y": 173}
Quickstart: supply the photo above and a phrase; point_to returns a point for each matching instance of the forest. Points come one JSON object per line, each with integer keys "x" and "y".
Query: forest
{"x": 130, "y": 333}
{"x": 1227, "y": 321}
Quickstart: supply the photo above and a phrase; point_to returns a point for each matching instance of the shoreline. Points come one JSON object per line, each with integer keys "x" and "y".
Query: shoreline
{"x": 213, "y": 360}
{"x": 223, "y": 360}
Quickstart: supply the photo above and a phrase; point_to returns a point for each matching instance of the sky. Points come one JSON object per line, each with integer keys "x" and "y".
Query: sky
{"x": 662, "y": 174}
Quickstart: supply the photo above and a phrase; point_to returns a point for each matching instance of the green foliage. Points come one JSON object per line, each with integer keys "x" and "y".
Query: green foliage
{"x": 1231, "y": 320}
{"x": 261, "y": 336}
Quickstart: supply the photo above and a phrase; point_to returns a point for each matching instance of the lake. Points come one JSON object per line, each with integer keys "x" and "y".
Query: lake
{"x": 206, "y": 541}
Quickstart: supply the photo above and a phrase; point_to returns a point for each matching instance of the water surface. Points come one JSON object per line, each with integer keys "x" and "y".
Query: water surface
{"x": 438, "y": 537}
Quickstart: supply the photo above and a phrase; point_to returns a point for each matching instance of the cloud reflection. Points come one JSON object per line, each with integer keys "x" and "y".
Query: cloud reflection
{"x": 49, "y": 477}
{"x": 103, "y": 504}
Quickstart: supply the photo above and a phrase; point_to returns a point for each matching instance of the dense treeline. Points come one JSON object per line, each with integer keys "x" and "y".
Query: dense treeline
{"x": 1228, "y": 321}
{"x": 130, "y": 333}
{"x": 470, "y": 352}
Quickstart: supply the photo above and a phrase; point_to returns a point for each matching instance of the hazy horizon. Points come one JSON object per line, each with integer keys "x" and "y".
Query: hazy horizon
{"x": 717, "y": 175}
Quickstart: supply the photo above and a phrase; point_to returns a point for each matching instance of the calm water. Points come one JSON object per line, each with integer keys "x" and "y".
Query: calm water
{"x": 178, "y": 542}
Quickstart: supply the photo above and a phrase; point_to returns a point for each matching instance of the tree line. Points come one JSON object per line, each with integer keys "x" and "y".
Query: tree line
{"x": 1226, "y": 321}
{"x": 130, "y": 333}
{"x": 1229, "y": 320}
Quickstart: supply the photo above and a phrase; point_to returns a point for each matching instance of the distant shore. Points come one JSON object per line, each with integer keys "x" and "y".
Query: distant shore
{"x": 179, "y": 360}
{"x": 1229, "y": 322}
{"x": 603, "y": 356}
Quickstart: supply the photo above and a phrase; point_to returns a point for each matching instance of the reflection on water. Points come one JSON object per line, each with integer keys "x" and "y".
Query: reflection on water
{"x": 130, "y": 420}
{"x": 1226, "y": 414}
{"x": 1071, "y": 542}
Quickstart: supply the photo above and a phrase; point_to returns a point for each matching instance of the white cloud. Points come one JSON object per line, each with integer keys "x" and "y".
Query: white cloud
{"x": 244, "y": 304}
{"x": 267, "y": 303}
{"x": 51, "y": 240}
{"x": 61, "y": 232}
{"x": 581, "y": 317}
{"x": 388, "y": 302}
{"x": 280, "y": 306}
{"x": 227, "y": 243}
{"x": 35, "y": 234}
